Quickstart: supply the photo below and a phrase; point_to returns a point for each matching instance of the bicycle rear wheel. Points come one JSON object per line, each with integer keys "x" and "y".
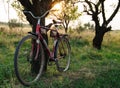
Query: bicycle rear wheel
{"x": 62, "y": 54}
{"x": 24, "y": 58}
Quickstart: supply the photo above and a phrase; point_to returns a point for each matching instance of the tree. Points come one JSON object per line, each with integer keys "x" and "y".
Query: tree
{"x": 13, "y": 23}
{"x": 68, "y": 13}
{"x": 38, "y": 7}
{"x": 16, "y": 5}
{"x": 88, "y": 26}
{"x": 95, "y": 9}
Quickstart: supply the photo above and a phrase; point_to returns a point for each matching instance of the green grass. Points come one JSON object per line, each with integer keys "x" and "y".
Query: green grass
{"x": 89, "y": 68}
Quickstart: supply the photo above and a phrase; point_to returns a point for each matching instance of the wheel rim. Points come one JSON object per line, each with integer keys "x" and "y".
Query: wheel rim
{"x": 24, "y": 62}
{"x": 63, "y": 55}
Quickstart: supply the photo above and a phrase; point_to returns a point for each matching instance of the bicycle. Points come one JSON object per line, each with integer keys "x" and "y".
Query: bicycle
{"x": 30, "y": 50}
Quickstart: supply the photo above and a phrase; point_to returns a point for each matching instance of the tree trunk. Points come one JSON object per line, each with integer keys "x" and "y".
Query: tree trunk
{"x": 35, "y": 65}
{"x": 66, "y": 30}
{"x": 38, "y": 8}
{"x": 94, "y": 9}
{"x": 99, "y": 34}
{"x": 97, "y": 40}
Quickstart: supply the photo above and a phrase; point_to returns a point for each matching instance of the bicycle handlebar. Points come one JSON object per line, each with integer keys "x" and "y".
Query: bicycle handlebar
{"x": 36, "y": 17}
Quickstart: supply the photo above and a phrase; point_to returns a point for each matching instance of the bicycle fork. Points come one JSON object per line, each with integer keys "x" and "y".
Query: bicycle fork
{"x": 38, "y": 49}
{"x": 33, "y": 51}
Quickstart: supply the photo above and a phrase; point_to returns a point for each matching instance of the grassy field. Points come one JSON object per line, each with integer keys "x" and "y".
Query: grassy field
{"x": 90, "y": 68}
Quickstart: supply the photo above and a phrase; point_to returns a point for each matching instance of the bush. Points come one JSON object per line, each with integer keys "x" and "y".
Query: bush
{"x": 13, "y": 23}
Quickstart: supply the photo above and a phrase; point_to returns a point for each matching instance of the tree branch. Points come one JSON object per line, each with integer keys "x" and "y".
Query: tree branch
{"x": 103, "y": 13}
{"x": 90, "y": 5}
{"x": 87, "y": 11}
{"x": 114, "y": 13}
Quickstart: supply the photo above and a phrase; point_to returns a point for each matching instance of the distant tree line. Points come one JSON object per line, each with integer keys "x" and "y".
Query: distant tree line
{"x": 13, "y": 23}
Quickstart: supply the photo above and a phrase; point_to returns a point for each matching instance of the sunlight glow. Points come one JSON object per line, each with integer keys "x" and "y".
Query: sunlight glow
{"x": 58, "y": 6}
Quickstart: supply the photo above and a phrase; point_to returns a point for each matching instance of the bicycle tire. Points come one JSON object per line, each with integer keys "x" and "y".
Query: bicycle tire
{"x": 24, "y": 74}
{"x": 62, "y": 54}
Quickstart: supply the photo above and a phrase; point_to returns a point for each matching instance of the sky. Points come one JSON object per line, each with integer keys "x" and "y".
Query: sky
{"x": 115, "y": 23}
{"x": 4, "y": 11}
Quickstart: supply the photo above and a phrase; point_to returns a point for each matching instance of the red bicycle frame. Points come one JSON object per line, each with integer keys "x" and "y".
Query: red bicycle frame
{"x": 42, "y": 40}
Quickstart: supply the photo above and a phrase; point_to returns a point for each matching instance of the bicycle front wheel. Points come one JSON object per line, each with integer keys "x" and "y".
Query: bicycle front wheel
{"x": 24, "y": 60}
{"x": 62, "y": 54}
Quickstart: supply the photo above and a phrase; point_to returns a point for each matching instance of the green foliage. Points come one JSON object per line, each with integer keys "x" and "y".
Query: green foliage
{"x": 18, "y": 7}
{"x": 70, "y": 11}
{"x": 67, "y": 13}
{"x": 86, "y": 26}
{"x": 79, "y": 29}
{"x": 89, "y": 26}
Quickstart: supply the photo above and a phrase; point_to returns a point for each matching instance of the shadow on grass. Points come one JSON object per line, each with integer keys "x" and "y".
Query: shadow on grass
{"x": 108, "y": 79}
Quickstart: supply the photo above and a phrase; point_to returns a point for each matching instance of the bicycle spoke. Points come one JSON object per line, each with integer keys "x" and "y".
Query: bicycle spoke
{"x": 24, "y": 60}
{"x": 62, "y": 54}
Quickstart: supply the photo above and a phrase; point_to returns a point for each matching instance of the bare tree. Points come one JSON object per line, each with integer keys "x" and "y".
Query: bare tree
{"x": 38, "y": 7}
{"x": 95, "y": 9}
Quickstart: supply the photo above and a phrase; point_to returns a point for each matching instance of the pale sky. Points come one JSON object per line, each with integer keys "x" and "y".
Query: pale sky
{"x": 115, "y": 23}
{"x": 4, "y": 11}
{"x": 13, "y": 15}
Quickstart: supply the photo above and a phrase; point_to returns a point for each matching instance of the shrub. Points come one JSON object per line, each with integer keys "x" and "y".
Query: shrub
{"x": 13, "y": 23}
